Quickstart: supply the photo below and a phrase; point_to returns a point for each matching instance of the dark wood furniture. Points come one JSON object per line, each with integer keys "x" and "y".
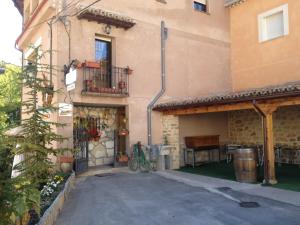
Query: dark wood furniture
{"x": 195, "y": 144}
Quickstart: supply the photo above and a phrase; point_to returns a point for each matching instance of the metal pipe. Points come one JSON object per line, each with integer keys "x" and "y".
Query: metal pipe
{"x": 163, "y": 81}
{"x": 51, "y": 49}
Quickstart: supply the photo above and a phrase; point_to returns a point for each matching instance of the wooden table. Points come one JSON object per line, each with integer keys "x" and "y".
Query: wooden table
{"x": 208, "y": 143}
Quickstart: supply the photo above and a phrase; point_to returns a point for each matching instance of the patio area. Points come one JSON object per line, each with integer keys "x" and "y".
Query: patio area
{"x": 288, "y": 176}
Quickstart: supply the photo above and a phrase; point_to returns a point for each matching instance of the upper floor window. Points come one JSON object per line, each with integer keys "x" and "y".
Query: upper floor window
{"x": 201, "y": 5}
{"x": 103, "y": 50}
{"x": 273, "y": 23}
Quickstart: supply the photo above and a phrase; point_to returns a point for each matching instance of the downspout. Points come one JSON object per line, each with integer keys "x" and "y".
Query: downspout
{"x": 22, "y": 70}
{"x": 164, "y": 32}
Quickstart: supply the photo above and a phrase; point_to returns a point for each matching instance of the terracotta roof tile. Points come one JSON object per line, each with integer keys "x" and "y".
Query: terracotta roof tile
{"x": 270, "y": 92}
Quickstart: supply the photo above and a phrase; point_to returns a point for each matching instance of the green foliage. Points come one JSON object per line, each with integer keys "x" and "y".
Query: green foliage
{"x": 21, "y": 194}
{"x": 10, "y": 95}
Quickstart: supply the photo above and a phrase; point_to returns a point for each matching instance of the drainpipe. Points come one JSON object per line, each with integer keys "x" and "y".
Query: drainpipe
{"x": 22, "y": 70}
{"x": 164, "y": 32}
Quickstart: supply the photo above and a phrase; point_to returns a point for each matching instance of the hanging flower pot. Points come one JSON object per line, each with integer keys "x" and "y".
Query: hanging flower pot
{"x": 123, "y": 132}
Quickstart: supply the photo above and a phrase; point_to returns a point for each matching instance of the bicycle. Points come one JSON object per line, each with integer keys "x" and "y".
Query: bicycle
{"x": 138, "y": 159}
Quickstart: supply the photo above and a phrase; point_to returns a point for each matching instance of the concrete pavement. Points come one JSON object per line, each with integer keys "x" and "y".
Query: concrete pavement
{"x": 214, "y": 184}
{"x": 144, "y": 199}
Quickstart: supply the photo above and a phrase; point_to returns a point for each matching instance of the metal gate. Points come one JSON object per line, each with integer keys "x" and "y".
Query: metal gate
{"x": 81, "y": 144}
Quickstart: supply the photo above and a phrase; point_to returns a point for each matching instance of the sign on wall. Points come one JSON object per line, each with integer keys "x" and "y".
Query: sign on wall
{"x": 71, "y": 78}
{"x": 65, "y": 109}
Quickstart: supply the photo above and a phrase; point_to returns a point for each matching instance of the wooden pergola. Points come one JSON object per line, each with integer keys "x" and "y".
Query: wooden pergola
{"x": 264, "y": 101}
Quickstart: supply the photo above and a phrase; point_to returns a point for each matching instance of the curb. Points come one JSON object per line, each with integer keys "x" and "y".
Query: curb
{"x": 53, "y": 211}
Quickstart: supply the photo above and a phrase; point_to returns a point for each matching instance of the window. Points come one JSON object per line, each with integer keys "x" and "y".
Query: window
{"x": 274, "y": 23}
{"x": 201, "y": 5}
{"x": 103, "y": 50}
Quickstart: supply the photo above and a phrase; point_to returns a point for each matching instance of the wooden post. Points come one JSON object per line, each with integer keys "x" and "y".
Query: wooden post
{"x": 266, "y": 112}
{"x": 269, "y": 149}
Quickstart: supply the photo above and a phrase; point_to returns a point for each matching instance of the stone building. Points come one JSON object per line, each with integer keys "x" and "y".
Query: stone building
{"x": 223, "y": 61}
{"x": 263, "y": 105}
{"x": 114, "y": 47}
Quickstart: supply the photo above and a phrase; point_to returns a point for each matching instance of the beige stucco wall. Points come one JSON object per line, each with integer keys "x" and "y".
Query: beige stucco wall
{"x": 197, "y": 56}
{"x": 204, "y": 124}
{"x": 273, "y": 62}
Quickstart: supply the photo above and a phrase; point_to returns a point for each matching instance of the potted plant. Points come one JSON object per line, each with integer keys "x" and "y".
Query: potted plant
{"x": 122, "y": 158}
{"x": 66, "y": 163}
{"x": 122, "y": 84}
{"x": 128, "y": 70}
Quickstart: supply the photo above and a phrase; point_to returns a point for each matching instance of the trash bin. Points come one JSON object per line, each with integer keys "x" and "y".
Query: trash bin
{"x": 245, "y": 165}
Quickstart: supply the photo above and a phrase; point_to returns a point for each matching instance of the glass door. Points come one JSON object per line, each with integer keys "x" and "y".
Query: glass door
{"x": 103, "y": 56}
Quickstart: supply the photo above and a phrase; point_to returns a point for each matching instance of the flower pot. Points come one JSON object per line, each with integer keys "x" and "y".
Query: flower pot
{"x": 66, "y": 167}
{"x": 123, "y": 132}
{"x": 128, "y": 71}
{"x": 123, "y": 158}
{"x": 66, "y": 159}
{"x": 122, "y": 85}
{"x": 91, "y": 64}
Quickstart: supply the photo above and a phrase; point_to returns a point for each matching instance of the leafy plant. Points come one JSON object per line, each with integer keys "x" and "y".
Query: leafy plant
{"x": 21, "y": 195}
{"x": 10, "y": 96}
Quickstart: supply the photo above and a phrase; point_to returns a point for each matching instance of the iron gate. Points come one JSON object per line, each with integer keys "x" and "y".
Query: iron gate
{"x": 81, "y": 144}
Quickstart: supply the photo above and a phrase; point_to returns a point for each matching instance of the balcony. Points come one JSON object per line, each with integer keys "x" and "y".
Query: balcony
{"x": 99, "y": 79}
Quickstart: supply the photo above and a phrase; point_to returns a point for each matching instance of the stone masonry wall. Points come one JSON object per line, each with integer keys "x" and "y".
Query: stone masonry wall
{"x": 101, "y": 152}
{"x": 171, "y": 133}
{"x": 245, "y": 127}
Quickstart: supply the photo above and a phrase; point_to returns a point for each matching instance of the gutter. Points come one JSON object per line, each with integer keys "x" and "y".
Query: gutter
{"x": 164, "y": 32}
{"x": 22, "y": 70}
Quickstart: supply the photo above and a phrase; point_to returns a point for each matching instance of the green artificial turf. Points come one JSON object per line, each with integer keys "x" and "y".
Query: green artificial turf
{"x": 288, "y": 176}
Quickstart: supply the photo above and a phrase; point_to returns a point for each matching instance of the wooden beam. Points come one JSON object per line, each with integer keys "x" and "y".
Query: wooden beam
{"x": 266, "y": 112}
{"x": 269, "y": 150}
{"x": 270, "y": 104}
{"x": 209, "y": 109}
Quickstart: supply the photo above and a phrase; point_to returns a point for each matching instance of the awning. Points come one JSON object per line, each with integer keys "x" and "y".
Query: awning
{"x": 105, "y": 17}
{"x": 258, "y": 94}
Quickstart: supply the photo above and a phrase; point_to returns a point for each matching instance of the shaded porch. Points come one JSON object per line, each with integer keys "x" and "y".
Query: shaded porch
{"x": 266, "y": 104}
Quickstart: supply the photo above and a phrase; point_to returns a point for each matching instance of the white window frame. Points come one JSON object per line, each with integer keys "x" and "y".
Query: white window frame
{"x": 262, "y": 29}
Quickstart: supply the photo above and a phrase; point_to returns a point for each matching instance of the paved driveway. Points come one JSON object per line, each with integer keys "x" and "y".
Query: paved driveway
{"x": 140, "y": 199}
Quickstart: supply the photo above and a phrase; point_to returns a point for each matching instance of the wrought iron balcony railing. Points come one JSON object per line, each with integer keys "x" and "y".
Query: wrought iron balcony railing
{"x": 104, "y": 80}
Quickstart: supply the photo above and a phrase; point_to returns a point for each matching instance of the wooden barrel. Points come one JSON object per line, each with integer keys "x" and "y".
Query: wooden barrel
{"x": 245, "y": 165}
